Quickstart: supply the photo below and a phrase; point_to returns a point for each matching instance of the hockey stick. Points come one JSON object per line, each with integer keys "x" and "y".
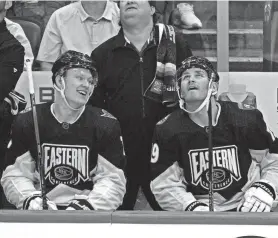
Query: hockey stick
{"x": 29, "y": 63}
{"x": 211, "y": 207}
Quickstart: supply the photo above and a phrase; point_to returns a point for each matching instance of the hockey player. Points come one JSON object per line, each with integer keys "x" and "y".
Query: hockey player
{"x": 245, "y": 159}
{"x": 82, "y": 151}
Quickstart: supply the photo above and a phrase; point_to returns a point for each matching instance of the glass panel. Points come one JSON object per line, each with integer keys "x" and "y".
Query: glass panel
{"x": 253, "y": 35}
{"x": 270, "y": 51}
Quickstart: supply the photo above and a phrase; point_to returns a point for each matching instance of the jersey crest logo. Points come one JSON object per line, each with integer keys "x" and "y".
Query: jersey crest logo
{"x": 65, "y": 164}
{"x": 225, "y": 167}
{"x": 107, "y": 114}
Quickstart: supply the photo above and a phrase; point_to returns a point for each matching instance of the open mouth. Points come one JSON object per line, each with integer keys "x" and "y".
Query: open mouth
{"x": 82, "y": 92}
{"x": 131, "y": 8}
{"x": 190, "y": 88}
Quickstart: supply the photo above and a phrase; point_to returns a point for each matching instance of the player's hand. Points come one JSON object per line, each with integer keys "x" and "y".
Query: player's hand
{"x": 35, "y": 203}
{"x": 258, "y": 198}
{"x": 80, "y": 204}
{"x": 197, "y": 206}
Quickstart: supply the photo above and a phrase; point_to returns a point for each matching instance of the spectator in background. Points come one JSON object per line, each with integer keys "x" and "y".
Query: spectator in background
{"x": 131, "y": 68}
{"x": 11, "y": 67}
{"x": 39, "y": 11}
{"x": 80, "y": 26}
{"x": 163, "y": 10}
{"x": 16, "y": 30}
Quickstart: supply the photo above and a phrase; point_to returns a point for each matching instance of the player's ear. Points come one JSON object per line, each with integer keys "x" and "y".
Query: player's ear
{"x": 152, "y": 10}
{"x": 60, "y": 82}
{"x": 8, "y": 4}
{"x": 214, "y": 87}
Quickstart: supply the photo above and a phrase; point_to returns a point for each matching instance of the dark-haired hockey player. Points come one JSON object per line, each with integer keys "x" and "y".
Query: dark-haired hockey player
{"x": 245, "y": 156}
{"x": 81, "y": 147}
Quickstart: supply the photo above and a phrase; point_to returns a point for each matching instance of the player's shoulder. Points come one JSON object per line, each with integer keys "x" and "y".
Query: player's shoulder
{"x": 67, "y": 12}
{"x": 25, "y": 117}
{"x": 101, "y": 117}
{"x": 239, "y": 114}
{"x": 100, "y": 113}
{"x": 173, "y": 124}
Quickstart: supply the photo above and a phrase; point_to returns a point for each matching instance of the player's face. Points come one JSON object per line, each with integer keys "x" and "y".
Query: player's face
{"x": 194, "y": 85}
{"x": 133, "y": 12}
{"x": 79, "y": 86}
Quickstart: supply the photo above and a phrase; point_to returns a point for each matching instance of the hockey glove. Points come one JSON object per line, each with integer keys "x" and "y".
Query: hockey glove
{"x": 197, "y": 206}
{"x": 34, "y": 202}
{"x": 258, "y": 198}
{"x": 16, "y": 101}
{"x": 80, "y": 204}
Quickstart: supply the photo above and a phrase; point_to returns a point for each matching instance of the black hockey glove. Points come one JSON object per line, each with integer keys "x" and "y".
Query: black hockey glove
{"x": 16, "y": 101}
{"x": 80, "y": 204}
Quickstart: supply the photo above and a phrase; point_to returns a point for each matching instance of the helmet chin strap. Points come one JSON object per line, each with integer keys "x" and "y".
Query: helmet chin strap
{"x": 62, "y": 92}
{"x": 204, "y": 103}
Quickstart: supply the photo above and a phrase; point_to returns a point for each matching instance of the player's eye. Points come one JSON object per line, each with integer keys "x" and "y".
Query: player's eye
{"x": 186, "y": 77}
{"x": 91, "y": 81}
{"x": 199, "y": 75}
{"x": 79, "y": 78}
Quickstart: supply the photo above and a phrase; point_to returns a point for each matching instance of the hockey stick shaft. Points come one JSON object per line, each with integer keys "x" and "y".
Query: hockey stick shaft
{"x": 211, "y": 206}
{"x": 29, "y": 63}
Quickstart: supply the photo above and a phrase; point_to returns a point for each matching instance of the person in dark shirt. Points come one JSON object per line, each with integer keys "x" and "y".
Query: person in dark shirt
{"x": 136, "y": 80}
{"x": 11, "y": 67}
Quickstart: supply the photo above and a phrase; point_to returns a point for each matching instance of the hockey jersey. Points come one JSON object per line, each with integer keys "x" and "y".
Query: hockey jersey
{"x": 244, "y": 151}
{"x": 249, "y": 103}
{"x": 83, "y": 158}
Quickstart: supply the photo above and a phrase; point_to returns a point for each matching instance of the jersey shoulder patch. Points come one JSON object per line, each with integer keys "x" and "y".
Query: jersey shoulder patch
{"x": 28, "y": 109}
{"x": 245, "y": 106}
{"x": 107, "y": 114}
{"x": 163, "y": 120}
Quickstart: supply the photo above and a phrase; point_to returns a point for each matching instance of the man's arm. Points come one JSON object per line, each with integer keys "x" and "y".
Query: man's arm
{"x": 168, "y": 183}
{"x": 50, "y": 47}
{"x": 11, "y": 61}
{"x": 46, "y": 66}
